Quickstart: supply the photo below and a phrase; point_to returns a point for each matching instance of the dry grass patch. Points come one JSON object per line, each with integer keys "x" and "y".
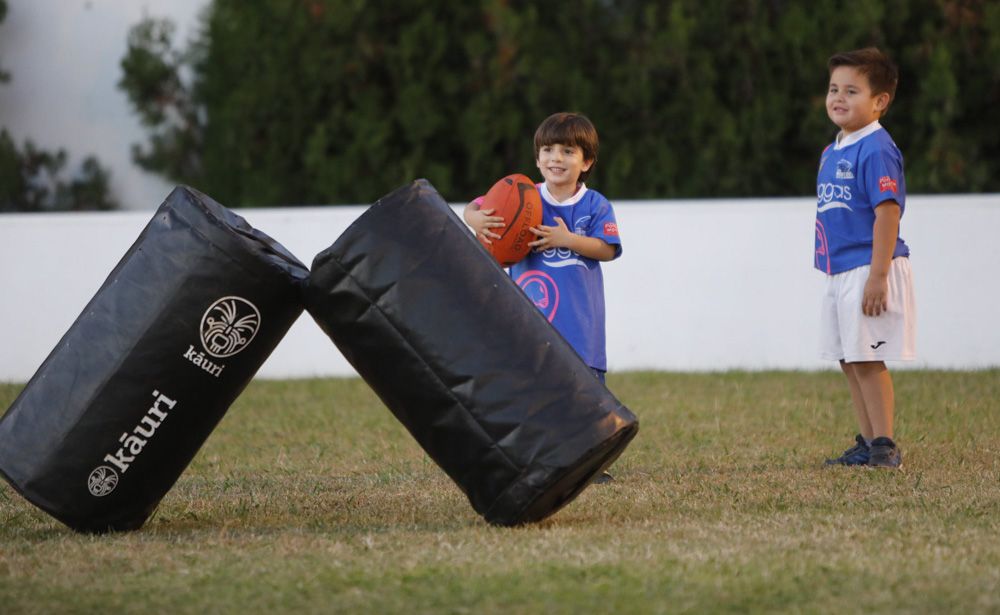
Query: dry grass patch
{"x": 310, "y": 497}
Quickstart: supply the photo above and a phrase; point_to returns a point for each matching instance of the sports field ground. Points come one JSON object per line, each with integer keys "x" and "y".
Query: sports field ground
{"x": 311, "y": 498}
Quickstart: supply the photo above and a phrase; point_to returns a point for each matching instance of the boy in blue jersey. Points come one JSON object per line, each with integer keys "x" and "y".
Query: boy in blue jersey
{"x": 562, "y": 274}
{"x": 868, "y": 313}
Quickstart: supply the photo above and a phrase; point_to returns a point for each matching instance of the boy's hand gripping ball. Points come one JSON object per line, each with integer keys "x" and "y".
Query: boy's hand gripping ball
{"x": 516, "y": 200}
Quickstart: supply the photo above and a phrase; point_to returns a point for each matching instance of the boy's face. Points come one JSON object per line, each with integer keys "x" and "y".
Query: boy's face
{"x": 561, "y": 165}
{"x": 849, "y": 100}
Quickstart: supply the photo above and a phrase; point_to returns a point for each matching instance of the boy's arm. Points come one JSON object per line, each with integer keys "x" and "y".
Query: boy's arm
{"x": 884, "y": 233}
{"x": 481, "y": 221}
{"x": 560, "y": 236}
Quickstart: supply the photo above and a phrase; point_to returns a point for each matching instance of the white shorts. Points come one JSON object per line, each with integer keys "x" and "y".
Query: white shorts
{"x": 847, "y": 334}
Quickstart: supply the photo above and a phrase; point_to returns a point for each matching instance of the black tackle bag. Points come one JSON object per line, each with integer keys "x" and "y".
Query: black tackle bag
{"x": 129, "y": 394}
{"x": 464, "y": 360}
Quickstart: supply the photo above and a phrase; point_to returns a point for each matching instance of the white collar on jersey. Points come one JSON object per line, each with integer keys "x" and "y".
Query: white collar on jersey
{"x": 573, "y": 200}
{"x": 855, "y": 136}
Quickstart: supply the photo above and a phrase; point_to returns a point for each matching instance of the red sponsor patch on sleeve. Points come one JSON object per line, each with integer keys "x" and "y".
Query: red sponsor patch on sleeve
{"x": 611, "y": 229}
{"x": 886, "y": 183}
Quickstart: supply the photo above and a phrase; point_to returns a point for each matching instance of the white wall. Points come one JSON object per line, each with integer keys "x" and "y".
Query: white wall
{"x": 729, "y": 284}
{"x": 702, "y": 285}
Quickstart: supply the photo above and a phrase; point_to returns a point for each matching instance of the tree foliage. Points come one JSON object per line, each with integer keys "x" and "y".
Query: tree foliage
{"x": 33, "y": 180}
{"x": 4, "y": 76}
{"x": 339, "y": 101}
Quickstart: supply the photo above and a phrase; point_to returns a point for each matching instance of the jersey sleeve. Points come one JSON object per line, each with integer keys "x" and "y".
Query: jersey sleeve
{"x": 604, "y": 226}
{"x": 882, "y": 176}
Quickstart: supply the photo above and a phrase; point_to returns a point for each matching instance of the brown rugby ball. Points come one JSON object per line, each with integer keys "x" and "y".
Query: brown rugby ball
{"x": 514, "y": 198}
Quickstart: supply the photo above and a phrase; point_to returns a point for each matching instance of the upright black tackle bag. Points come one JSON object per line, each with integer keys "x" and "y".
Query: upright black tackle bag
{"x": 464, "y": 360}
{"x": 129, "y": 394}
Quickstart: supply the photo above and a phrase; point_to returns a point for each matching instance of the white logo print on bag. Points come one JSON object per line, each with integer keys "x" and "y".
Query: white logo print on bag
{"x": 228, "y": 326}
{"x": 103, "y": 479}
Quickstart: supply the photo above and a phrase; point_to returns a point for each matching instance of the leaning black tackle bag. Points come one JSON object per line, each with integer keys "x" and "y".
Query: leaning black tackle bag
{"x": 129, "y": 394}
{"x": 464, "y": 360}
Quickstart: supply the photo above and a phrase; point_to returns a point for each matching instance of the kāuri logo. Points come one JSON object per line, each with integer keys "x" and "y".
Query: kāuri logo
{"x": 228, "y": 326}
{"x": 102, "y": 481}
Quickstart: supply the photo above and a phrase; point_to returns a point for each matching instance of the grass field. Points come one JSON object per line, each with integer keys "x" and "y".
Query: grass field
{"x": 311, "y": 498}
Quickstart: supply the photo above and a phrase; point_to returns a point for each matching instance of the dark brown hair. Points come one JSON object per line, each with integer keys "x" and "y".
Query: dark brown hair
{"x": 881, "y": 73}
{"x": 569, "y": 129}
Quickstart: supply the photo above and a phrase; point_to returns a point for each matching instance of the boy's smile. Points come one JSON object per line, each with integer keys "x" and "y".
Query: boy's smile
{"x": 561, "y": 166}
{"x": 850, "y": 103}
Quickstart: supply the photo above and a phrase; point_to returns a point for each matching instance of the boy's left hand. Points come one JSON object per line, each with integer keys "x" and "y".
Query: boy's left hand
{"x": 558, "y": 236}
{"x": 876, "y": 297}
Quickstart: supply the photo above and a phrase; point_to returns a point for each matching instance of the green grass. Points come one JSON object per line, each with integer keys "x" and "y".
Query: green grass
{"x": 311, "y": 498}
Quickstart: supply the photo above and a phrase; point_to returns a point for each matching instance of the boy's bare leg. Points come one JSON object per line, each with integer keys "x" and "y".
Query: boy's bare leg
{"x": 875, "y": 385}
{"x": 860, "y": 409}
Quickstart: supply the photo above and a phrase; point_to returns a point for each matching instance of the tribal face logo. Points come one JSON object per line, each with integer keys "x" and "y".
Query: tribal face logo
{"x": 542, "y": 290}
{"x": 228, "y": 326}
{"x": 102, "y": 481}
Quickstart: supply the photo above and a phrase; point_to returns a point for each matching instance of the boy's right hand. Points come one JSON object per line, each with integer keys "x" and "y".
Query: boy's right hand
{"x": 482, "y": 222}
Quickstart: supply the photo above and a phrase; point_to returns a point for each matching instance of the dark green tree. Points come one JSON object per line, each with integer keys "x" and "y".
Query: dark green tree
{"x": 33, "y": 180}
{"x": 340, "y": 101}
{"x": 4, "y": 76}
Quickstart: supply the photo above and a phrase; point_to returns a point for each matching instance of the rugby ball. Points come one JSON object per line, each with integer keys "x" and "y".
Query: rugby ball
{"x": 515, "y": 199}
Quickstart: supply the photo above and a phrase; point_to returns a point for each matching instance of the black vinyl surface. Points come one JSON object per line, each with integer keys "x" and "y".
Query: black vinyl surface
{"x": 489, "y": 389}
{"x": 130, "y": 393}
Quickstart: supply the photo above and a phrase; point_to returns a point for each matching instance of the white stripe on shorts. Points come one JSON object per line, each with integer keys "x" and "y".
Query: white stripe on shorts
{"x": 847, "y": 334}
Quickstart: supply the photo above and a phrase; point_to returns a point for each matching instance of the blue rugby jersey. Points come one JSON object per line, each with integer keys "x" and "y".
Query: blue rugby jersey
{"x": 865, "y": 169}
{"x": 569, "y": 288}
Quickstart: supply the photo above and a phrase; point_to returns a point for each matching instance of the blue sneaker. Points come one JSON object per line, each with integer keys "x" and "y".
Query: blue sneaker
{"x": 604, "y": 477}
{"x": 885, "y": 454}
{"x": 857, "y": 455}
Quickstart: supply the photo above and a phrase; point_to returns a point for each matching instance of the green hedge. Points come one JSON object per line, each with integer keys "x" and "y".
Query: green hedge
{"x": 297, "y": 102}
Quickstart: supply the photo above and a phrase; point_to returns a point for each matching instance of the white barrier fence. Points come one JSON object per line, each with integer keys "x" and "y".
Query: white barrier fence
{"x": 701, "y": 285}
